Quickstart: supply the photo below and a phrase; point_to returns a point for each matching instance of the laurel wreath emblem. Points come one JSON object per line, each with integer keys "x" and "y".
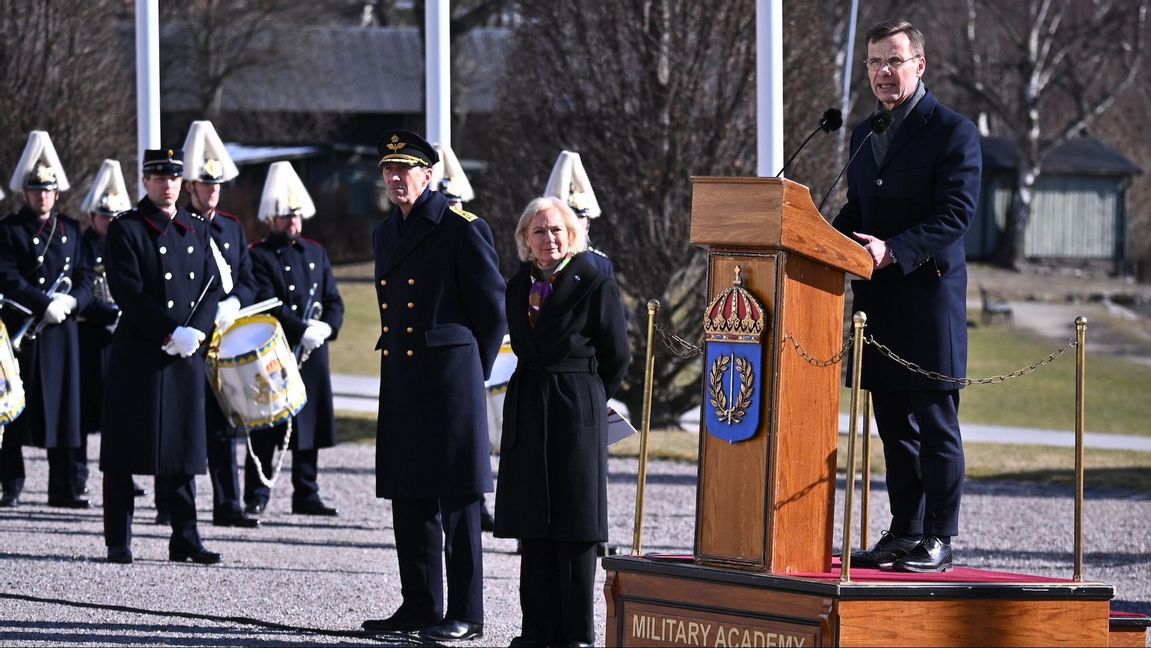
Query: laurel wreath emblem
{"x": 718, "y": 399}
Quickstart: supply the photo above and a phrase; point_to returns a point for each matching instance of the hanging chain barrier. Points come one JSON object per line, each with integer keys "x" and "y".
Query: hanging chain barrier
{"x": 687, "y": 350}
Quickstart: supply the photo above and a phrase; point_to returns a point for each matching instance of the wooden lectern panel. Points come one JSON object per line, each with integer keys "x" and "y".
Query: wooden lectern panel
{"x": 732, "y": 520}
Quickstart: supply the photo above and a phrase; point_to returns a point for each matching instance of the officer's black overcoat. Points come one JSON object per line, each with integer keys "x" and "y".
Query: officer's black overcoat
{"x": 441, "y": 301}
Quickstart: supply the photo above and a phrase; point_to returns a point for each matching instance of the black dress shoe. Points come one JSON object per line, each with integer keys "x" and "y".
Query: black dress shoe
{"x": 451, "y": 630}
{"x": 930, "y": 556}
{"x": 234, "y": 519}
{"x": 398, "y": 622}
{"x": 120, "y": 555}
{"x": 195, "y": 554}
{"x": 314, "y": 508}
{"x": 255, "y": 508}
{"x": 68, "y": 502}
{"x": 138, "y": 491}
{"x": 10, "y": 500}
{"x": 889, "y": 549}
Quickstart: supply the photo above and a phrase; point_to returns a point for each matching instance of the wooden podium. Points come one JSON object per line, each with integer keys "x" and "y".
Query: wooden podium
{"x": 762, "y": 569}
{"x": 766, "y": 504}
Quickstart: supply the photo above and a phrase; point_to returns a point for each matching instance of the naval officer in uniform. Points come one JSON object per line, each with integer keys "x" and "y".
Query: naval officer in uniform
{"x": 441, "y": 301}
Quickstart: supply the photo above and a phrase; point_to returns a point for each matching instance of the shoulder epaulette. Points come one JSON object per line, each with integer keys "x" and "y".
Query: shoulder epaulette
{"x": 595, "y": 251}
{"x": 197, "y": 216}
{"x": 466, "y": 215}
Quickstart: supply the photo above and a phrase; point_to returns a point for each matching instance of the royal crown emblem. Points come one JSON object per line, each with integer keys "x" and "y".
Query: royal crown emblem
{"x": 733, "y": 327}
{"x": 396, "y": 144}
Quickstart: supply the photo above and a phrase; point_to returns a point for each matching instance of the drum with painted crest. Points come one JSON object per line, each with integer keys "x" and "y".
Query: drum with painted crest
{"x": 11, "y": 387}
{"x": 254, "y": 374}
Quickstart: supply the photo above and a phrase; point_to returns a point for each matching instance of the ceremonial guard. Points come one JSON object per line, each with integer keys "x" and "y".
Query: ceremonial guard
{"x": 569, "y": 182}
{"x": 440, "y": 296}
{"x": 163, "y": 276}
{"x": 298, "y": 272}
{"x": 207, "y": 166}
{"x": 43, "y": 269}
{"x": 106, "y": 199}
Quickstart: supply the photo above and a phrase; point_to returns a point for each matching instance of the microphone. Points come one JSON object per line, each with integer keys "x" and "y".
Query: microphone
{"x": 831, "y": 120}
{"x": 879, "y": 122}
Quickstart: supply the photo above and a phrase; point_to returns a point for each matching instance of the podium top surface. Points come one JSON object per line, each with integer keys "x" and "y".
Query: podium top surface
{"x": 749, "y": 213}
{"x": 873, "y": 583}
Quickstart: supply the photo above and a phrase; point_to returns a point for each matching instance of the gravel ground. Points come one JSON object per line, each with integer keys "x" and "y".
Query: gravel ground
{"x": 308, "y": 581}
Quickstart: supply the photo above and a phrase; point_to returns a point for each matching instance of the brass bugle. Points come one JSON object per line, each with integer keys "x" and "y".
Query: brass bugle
{"x": 63, "y": 286}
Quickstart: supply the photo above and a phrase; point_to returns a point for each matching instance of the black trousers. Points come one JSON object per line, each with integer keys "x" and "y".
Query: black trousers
{"x": 557, "y": 592}
{"x": 429, "y": 533}
{"x": 305, "y": 469}
{"x": 223, "y": 469}
{"x": 61, "y": 471}
{"x": 923, "y": 449}
{"x": 176, "y": 492}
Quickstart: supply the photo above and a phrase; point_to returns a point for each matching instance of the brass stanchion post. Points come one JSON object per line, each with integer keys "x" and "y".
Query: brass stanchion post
{"x": 858, "y": 321}
{"x": 645, "y": 427}
{"x": 865, "y": 495}
{"x": 1080, "y": 395}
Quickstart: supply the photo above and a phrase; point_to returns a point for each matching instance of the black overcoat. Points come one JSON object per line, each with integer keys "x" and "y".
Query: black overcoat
{"x": 553, "y": 452}
{"x": 33, "y": 254}
{"x": 441, "y": 300}
{"x": 920, "y": 200}
{"x": 154, "y": 402}
{"x": 300, "y": 273}
{"x": 95, "y": 338}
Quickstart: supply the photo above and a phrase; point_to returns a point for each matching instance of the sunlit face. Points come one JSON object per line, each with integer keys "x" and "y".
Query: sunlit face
{"x": 548, "y": 238}
{"x": 893, "y": 86}
{"x": 405, "y": 184}
{"x": 41, "y": 201}
{"x": 290, "y": 225}
{"x": 205, "y": 197}
{"x": 163, "y": 190}
{"x": 100, "y": 223}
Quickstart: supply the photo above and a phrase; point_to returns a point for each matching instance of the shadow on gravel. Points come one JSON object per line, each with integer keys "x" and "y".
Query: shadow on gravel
{"x": 240, "y": 632}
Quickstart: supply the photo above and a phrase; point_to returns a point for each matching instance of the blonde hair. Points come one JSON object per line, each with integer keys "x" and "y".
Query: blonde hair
{"x": 577, "y": 237}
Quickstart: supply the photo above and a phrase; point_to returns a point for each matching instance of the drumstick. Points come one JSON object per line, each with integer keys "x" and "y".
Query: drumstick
{"x": 203, "y": 292}
{"x": 259, "y": 307}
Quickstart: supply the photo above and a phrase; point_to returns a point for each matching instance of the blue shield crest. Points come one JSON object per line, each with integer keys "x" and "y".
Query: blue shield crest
{"x": 733, "y": 375}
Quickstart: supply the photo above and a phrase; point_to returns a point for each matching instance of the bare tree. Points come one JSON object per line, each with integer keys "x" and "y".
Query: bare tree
{"x": 1042, "y": 71}
{"x": 650, "y": 92}
{"x": 65, "y": 70}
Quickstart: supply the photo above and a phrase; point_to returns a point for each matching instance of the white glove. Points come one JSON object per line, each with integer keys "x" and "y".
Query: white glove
{"x": 325, "y": 329}
{"x": 185, "y": 341}
{"x": 68, "y": 301}
{"x": 315, "y": 335}
{"x": 112, "y": 327}
{"x": 226, "y": 312}
{"x": 56, "y": 312}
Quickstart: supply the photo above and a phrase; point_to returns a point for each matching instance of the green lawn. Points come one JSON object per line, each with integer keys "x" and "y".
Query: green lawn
{"x": 1118, "y": 398}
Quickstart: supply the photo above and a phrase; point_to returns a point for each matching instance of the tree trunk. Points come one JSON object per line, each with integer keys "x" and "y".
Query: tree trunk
{"x": 1012, "y": 249}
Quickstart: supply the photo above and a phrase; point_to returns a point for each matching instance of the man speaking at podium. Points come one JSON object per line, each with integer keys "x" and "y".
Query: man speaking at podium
{"x": 910, "y": 199}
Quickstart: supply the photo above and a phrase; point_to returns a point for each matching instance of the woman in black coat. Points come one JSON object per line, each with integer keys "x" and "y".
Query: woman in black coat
{"x": 569, "y": 333}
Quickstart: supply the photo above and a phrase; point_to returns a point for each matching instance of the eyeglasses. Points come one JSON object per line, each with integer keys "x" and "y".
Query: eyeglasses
{"x": 876, "y": 64}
